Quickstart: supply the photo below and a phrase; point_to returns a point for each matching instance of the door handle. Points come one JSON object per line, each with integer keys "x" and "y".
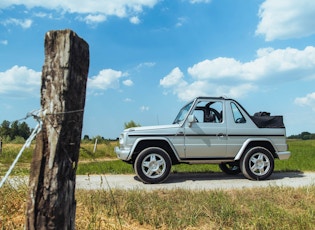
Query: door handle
{"x": 221, "y": 135}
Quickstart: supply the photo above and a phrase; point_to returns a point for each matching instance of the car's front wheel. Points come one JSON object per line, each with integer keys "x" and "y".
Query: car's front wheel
{"x": 153, "y": 165}
{"x": 257, "y": 163}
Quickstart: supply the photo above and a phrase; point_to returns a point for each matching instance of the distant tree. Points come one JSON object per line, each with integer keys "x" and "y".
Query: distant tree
{"x": 14, "y": 131}
{"x": 18, "y": 140}
{"x": 305, "y": 135}
{"x": 5, "y": 129}
{"x": 131, "y": 124}
{"x": 24, "y": 130}
{"x": 100, "y": 139}
{"x": 86, "y": 138}
{"x": 10, "y": 131}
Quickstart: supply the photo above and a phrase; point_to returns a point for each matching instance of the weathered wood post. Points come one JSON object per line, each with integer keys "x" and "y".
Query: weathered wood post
{"x": 51, "y": 203}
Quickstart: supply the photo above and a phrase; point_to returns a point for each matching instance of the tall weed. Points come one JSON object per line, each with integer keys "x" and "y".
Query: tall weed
{"x": 263, "y": 208}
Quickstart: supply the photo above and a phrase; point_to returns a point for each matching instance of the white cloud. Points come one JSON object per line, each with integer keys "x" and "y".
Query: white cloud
{"x": 43, "y": 15}
{"x": 134, "y": 20}
{"x": 128, "y": 82}
{"x": 269, "y": 62}
{"x": 181, "y": 21}
{"x": 199, "y": 1}
{"x": 185, "y": 91}
{"x": 144, "y": 108}
{"x": 122, "y": 8}
{"x": 25, "y": 24}
{"x": 128, "y": 100}
{"x": 106, "y": 79}
{"x": 233, "y": 78}
{"x": 174, "y": 78}
{"x": 188, "y": 91}
{"x": 284, "y": 19}
{"x": 19, "y": 81}
{"x": 236, "y": 91}
{"x": 215, "y": 68}
{"x": 4, "y": 42}
{"x": 145, "y": 64}
{"x": 308, "y": 100}
{"x": 93, "y": 19}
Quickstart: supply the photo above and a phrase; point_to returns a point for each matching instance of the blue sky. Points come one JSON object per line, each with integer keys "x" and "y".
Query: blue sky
{"x": 149, "y": 57}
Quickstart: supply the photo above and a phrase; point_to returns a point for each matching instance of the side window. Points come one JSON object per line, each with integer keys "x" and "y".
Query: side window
{"x": 216, "y": 112}
{"x": 237, "y": 115}
{"x": 209, "y": 112}
{"x": 199, "y": 111}
{"x": 199, "y": 114}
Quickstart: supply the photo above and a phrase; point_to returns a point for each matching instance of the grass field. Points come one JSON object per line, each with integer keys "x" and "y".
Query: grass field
{"x": 104, "y": 160}
{"x": 263, "y": 208}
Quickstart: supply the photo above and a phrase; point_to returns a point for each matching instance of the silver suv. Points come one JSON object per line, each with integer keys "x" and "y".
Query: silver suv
{"x": 207, "y": 130}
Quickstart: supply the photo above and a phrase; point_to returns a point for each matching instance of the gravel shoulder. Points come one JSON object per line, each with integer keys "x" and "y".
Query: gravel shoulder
{"x": 189, "y": 181}
{"x": 195, "y": 181}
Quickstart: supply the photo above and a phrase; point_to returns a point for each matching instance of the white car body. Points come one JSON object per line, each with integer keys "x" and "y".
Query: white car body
{"x": 207, "y": 130}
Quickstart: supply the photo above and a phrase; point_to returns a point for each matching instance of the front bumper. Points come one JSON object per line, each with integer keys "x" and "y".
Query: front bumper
{"x": 122, "y": 154}
{"x": 284, "y": 155}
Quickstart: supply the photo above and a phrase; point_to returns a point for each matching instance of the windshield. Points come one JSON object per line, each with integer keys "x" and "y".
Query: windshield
{"x": 182, "y": 113}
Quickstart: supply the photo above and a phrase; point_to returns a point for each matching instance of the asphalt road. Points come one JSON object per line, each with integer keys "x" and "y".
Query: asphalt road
{"x": 195, "y": 181}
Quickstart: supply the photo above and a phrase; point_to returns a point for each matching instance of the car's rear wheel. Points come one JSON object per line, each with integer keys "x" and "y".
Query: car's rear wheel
{"x": 153, "y": 165}
{"x": 257, "y": 163}
{"x": 232, "y": 168}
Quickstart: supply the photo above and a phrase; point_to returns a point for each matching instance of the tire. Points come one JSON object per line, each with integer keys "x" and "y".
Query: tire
{"x": 153, "y": 165}
{"x": 232, "y": 168}
{"x": 257, "y": 163}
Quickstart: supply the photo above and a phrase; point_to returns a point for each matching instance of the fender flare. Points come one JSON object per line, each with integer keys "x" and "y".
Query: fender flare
{"x": 141, "y": 139}
{"x": 250, "y": 140}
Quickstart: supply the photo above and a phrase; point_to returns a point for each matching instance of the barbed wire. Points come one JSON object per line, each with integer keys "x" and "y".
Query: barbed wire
{"x": 26, "y": 144}
{"x": 67, "y": 112}
{"x": 39, "y": 115}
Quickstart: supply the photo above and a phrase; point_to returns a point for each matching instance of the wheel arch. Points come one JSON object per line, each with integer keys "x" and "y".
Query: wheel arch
{"x": 162, "y": 143}
{"x": 251, "y": 143}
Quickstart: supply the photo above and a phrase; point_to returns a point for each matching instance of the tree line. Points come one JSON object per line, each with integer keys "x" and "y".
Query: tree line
{"x": 14, "y": 131}
{"x": 303, "y": 136}
{"x": 19, "y": 131}
{"x": 102, "y": 140}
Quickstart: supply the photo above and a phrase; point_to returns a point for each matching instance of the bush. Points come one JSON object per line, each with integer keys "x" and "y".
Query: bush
{"x": 18, "y": 140}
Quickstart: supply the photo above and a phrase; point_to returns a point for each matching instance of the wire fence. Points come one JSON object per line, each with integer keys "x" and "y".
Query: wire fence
{"x": 36, "y": 115}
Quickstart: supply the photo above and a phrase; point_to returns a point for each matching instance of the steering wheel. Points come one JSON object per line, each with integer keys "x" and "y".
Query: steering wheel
{"x": 216, "y": 114}
{"x": 239, "y": 120}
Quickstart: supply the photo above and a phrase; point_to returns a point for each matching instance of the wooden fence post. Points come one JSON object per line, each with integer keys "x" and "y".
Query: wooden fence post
{"x": 51, "y": 203}
{"x": 95, "y": 146}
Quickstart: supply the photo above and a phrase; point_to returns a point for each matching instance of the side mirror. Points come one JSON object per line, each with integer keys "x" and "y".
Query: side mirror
{"x": 191, "y": 119}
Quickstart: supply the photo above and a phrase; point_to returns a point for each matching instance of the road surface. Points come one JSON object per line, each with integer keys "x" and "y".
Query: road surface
{"x": 195, "y": 181}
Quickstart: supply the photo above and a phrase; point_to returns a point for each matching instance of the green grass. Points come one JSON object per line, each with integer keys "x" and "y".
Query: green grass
{"x": 104, "y": 160}
{"x": 302, "y": 159}
{"x": 302, "y": 156}
{"x": 103, "y": 167}
{"x": 263, "y": 208}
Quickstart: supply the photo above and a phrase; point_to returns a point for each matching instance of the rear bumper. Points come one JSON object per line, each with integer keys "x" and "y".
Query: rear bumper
{"x": 284, "y": 155}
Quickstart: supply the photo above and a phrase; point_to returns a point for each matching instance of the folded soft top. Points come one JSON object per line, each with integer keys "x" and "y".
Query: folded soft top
{"x": 264, "y": 120}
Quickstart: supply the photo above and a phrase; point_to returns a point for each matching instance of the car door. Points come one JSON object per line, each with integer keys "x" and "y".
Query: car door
{"x": 205, "y": 138}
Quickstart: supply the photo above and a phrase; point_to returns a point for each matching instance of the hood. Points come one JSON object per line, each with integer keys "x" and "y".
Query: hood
{"x": 153, "y": 129}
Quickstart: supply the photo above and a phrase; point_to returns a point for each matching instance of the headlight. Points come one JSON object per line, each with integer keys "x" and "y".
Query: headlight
{"x": 121, "y": 139}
